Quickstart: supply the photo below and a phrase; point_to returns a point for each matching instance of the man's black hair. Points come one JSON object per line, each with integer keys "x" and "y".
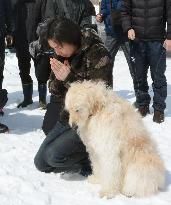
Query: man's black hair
{"x": 61, "y": 30}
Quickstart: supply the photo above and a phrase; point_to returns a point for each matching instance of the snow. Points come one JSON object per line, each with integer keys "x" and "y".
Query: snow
{"x": 22, "y": 184}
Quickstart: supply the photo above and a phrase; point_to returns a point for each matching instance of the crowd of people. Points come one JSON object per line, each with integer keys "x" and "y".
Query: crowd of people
{"x": 62, "y": 40}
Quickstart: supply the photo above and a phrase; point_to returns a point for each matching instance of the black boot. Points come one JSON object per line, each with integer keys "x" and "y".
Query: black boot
{"x": 3, "y": 128}
{"x": 158, "y": 116}
{"x": 144, "y": 110}
{"x": 27, "y": 92}
{"x": 42, "y": 88}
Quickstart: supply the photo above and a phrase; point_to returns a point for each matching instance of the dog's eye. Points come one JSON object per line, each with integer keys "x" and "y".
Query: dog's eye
{"x": 77, "y": 110}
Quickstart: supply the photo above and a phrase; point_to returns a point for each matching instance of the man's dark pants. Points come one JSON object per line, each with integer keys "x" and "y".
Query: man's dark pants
{"x": 145, "y": 54}
{"x": 62, "y": 150}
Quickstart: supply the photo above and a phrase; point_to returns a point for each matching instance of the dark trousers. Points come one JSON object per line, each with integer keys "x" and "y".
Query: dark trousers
{"x": 114, "y": 44}
{"x": 42, "y": 69}
{"x": 2, "y": 59}
{"x": 24, "y": 58}
{"x": 62, "y": 149}
{"x": 144, "y": 55}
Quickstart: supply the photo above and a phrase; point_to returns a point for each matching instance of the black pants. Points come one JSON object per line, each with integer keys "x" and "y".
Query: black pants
{"x": 114, "y": 44}
{"x": 2, "y": 59}
{"x": 62, "y": 150}
{"x": 42, "y": 69}
{"x": 3, "y": 97}
{"x": 144, "y": 55}
{"x": 24, "y": 58}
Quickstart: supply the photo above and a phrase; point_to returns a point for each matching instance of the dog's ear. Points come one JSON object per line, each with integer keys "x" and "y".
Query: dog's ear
{"x": 98, "y": 105}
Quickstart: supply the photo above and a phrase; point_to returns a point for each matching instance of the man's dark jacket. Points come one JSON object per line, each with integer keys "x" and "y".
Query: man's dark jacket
{"x": 27, "y": 15}
{"x": 148, "y": 18}
{"x": 79, "y": 11}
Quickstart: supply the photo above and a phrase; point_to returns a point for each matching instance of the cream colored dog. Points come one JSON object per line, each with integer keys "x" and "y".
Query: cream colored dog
{"x": 124, "y": 158}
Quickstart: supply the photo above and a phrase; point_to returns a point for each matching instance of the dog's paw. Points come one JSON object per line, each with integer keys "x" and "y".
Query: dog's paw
{"x": 93, "y": 179}
{"x": 128, "y": 194}
{"x": 109, "y": 194}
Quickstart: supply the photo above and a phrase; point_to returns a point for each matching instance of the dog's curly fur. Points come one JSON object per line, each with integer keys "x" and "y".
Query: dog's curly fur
{"x": 124, "y": 158}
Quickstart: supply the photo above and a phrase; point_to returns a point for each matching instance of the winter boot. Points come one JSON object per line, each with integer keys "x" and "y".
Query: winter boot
{"x": 135, "y": 104}
{"x": 42, "y": 88}
{"x": 3, "y": 128}
{"x": 28, "y": 92}
{"x": 144, "y": 110}
{"x": 158, "y": 116}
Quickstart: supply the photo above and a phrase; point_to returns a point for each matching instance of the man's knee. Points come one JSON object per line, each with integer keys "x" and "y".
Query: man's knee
{"x": 41, "y": 164}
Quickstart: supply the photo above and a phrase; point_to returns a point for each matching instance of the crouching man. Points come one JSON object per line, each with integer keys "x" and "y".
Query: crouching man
{"x": 79, "y": 55}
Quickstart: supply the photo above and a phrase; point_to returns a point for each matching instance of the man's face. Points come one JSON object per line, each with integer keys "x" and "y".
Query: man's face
{"x": 65, "y": 50}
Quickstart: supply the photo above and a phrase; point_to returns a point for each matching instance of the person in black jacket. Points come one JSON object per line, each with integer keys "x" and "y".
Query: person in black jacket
{"x": 79, "y": 11}
{"x": 27, "y": 15}
{"x": 6, "y": 32}
{"x": 145, "y": 24}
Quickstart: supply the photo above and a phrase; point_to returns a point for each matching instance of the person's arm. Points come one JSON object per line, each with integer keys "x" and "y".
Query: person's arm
{"x": 168, "y": 8}
{"x": 87, "y": 13}
{"x": 99, "y": 66}
{"x": 126, "y": 15}
{"x": 103, "y": 10}
{"x": 50, "y": 9}
{"x": 167, "y": 42}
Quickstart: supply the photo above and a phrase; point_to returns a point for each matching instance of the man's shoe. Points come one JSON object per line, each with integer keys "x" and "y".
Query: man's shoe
{"x": 3, "y": 128}
{"x": 158, "y": 116}
{"x": 144, "y": 110}
{"x": 42, "y": 105}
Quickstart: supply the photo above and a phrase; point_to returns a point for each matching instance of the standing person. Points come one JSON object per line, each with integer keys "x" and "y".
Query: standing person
{"x": 145, "y": 24}
{"x": 79, "y": 55}
{"x": 6, "y": 31}
{"x": 79, "y": 11}
{"x": 28, "y": 14}
{"x": 110, "y": 13}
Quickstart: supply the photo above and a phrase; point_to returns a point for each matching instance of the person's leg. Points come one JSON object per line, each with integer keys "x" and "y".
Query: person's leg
{"x": 112, "y": 44}
{"x": 24, "y": 59}
{"x": 157, "y": 60}
{"x": 140, "y": 66}
{"x": 42, "y": 71}
{"x": 2, "y": 59}
{"x": 125, "y": 45}
{"x": 52, "y": 115}
{"x": 61, "y": 151}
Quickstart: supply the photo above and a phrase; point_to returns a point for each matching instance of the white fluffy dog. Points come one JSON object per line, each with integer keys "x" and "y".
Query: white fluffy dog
{"x": 124, "y": 158}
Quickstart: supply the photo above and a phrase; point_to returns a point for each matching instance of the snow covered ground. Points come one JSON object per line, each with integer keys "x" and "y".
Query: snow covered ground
{"x": 22, "y": 184}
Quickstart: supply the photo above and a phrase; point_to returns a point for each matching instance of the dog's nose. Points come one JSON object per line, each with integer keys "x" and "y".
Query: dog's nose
{"x": 74, "y": 126}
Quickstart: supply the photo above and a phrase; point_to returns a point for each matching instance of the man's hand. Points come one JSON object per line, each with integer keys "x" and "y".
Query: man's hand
{"x": 9, "y": 40}
{"x": 131, "y": 34}
{"x": 61, "y": 70}
{"x": 167, "y": 45}
{"x": 99, "y": 18}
